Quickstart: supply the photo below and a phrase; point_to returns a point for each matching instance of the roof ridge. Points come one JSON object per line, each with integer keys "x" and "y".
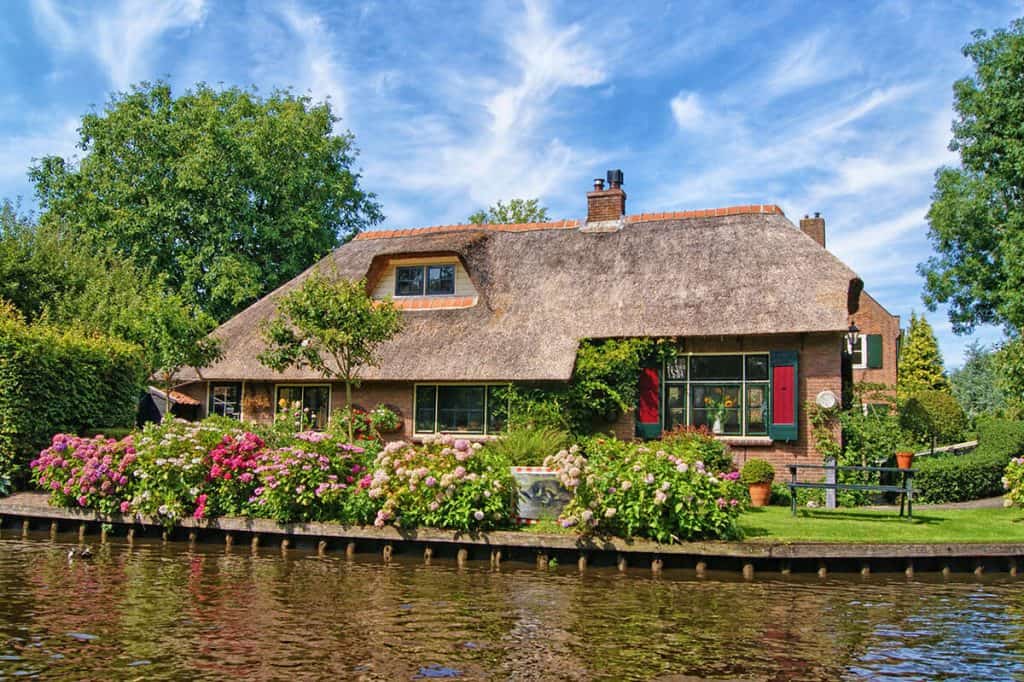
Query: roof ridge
{"x": 569, "y": 224}
{"x": 470, "y": 227}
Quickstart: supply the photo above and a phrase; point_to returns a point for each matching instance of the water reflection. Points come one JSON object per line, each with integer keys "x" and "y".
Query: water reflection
{"x": 164, "y": 611}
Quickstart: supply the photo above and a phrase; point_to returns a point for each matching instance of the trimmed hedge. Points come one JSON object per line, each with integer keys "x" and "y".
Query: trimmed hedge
{"x": 975, "y": 475}
{"x": 54, "y": 380}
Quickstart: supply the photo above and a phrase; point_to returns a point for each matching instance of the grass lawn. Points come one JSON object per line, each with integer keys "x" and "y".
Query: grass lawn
{"x": 774, "y": 524}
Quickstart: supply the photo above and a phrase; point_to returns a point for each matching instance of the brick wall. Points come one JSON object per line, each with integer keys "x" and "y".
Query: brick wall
{"x": 605, "y": 204}
{"x": 872, "y": 318}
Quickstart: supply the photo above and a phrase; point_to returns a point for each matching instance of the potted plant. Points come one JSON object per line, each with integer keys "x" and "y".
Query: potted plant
{"x": 758, "y": 475}
{"x": 905, "y": 454}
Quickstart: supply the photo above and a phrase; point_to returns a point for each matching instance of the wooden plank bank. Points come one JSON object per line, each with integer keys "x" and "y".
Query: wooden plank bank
{"x": 24, "y": 512}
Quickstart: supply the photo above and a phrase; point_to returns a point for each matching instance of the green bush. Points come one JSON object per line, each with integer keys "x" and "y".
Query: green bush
{"x": 55, "y": 380}
{"x": 526, "y": 446}
{"x": 696, "y": 445}
{"x": 757, "y": 471}
{"x": 933, "y": 417}
{"x": 976, "y": 475}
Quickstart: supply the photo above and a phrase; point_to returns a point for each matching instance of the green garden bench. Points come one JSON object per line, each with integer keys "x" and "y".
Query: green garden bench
{"x": 905, "y": 489}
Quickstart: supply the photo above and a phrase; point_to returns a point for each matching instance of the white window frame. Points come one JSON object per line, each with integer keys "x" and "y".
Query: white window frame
{"x": 330, "y": 397}
{"x": 863, "y": 339}
{"x": 743, "y": 383}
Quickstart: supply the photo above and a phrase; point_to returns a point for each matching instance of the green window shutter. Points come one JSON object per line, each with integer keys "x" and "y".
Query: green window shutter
{"x": 874, "y": 351}
{"x": 785, "y": 405}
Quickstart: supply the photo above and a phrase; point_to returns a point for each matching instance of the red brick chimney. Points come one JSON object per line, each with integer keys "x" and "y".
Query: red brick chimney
{"x": 606, "y": 204}
{"x": 814, "y": 228}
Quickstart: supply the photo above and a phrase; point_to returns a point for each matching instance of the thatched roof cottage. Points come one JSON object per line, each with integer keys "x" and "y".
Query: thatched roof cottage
{"x": 759, "y": 307}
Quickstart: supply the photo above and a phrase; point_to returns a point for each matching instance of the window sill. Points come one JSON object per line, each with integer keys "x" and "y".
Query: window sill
{"x": 471, "y": 437}
{"x": 746, "y": 441}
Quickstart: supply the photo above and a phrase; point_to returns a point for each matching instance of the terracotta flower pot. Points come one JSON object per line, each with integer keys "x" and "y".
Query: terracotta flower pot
{"x": 760, "y": 493}
{"x": 904, "y": 459}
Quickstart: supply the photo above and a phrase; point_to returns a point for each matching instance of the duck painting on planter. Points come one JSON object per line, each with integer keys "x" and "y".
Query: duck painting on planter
{"x": 541, "y": 495}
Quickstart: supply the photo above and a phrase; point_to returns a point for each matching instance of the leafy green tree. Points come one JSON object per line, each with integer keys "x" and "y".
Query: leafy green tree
{"x": 225, "y": 192}
{"x": 921, "y": 365}
{"x": 977, "y": 214}
{"x": 976, "y": 384}
{"x": 331, "y": 325}
{"x": 1010, "y": 364}
{"x": 933, "y": 417}
{"x": 515, "y": 211}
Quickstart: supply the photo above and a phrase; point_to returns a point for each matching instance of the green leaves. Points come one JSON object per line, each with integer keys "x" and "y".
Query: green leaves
{"x": 226, "y": 193}
{"x": 921, "y": 367}
{"x": 515, "y": 211}
{"x": 977, "y": 216}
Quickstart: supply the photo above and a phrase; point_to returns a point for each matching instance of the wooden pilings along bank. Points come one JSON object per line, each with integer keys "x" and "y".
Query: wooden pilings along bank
{"x": 27, "y": 513}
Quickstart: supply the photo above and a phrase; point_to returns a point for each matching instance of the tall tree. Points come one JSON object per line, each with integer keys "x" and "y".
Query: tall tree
{"x": 515, "y": 211}
{"x": 921, "y": 367}
{"x": 225, "y": 192}
{"x": 976, "y": 384}
{"x": 976, "y": 220}
{"x": 331, "y": 325}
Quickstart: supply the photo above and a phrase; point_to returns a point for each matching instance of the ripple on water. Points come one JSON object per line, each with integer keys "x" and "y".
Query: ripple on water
{"x": 207, "y": 614}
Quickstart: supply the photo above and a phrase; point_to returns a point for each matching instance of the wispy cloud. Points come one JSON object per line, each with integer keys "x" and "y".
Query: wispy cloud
{"x": 813, "y": 61}
{"x": 687, "y": 111}
{"x": 57, "y": 136}
{"x": 318, "y": 66}
{"x": 123, "y": 41}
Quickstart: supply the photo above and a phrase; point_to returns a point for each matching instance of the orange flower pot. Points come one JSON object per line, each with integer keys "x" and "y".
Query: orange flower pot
{"x": 760, "y": 493}
{"x": 904, "y": 459}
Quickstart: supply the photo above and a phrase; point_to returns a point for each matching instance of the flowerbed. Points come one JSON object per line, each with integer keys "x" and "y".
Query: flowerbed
{"x": 672, "y": 490}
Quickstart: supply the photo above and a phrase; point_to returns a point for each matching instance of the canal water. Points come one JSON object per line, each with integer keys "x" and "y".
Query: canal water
{"x": 163, "y": 611}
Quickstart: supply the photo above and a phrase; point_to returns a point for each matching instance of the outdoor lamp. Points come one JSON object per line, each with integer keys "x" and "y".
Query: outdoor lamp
{"x": 852, "y": 332}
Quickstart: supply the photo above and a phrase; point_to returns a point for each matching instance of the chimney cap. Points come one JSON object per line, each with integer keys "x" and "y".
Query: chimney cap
{"x": 598, "y": 184}
{"x": 817, "y": 214}
{"x": 615, "y": 178}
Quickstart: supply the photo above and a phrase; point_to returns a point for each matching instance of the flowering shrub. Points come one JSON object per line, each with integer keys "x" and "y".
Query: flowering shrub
{"x": 445, "y": 483}
{"x": 1013, "y": 482}
{"x": 629, "y": 490}
{"x": 697, "y": 444}
{"x": 295, "y": 484}
{"x": 172, "y": 469}
{"x": 85, "y": 472}
{"x": 232, "y": 477}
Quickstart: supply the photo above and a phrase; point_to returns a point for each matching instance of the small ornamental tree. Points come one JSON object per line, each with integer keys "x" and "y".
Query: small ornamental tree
{"x": 933, "y": 416}
{"x": 921, "y": 367}
{"x": 332, "y": 326}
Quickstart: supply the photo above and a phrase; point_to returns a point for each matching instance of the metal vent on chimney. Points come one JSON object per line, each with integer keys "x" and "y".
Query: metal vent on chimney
{"x": 615, "y": 178}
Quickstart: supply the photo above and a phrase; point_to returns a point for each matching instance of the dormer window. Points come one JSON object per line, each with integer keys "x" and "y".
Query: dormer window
{"x": 425, "y": 280}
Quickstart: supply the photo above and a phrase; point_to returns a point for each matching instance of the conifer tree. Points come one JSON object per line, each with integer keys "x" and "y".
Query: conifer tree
{"x": 921, "y": 367}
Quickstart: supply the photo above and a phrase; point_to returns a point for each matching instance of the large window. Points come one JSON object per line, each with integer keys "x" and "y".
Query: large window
{"x": 459, "y": 409}
{"x": 313, "y": 401}
{"x": 429, "y": 280}
{"x": 726, "y": 393}
{"x": 226, "y": 400}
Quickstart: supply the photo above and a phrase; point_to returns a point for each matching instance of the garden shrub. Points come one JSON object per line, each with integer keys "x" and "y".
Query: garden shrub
{"x": 756, "y": 471}
{"x": 933, "y": 417}
{"x": 86, "y": 472}
{"x": 445, "y": 483}
{"x": 1013, "y": 482}
{"x": 696, "y": 444}
{"x": 629, "y": 489}
{"x": 977, "y": 474}
{"x": 527, "y": 446}
{"x": 302, "y": 484}
{"x": 59, "y": 380}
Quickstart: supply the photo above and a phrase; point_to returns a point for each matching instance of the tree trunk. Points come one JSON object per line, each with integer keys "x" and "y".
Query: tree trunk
{"x": 348, "y": 407}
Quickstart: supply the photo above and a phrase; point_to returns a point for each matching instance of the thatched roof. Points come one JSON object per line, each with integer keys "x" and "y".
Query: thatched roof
{"x": 543, "y": 288}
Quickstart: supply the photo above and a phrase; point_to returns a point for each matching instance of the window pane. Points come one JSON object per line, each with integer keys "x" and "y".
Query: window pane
{"x": 460, "y": 408}
{"x": 425, "y": 396}
{"x": 716, "y": 406}
{"x": 440, "y": 279}
{"x": 716, "y": 367}
{"x": 289, "y": 397}
{"x": 409, "y": 281}
{"x": 676, "y": 370}
{"x": 497, "y": 408}
{"x": 757, "y": 409}
{"x": 315, "y": 400}
{"x": 857, "y": 351}
{"x": 757, "y": 368}
{"x": 675, "y": 406}
{"x": 226, "y": 400}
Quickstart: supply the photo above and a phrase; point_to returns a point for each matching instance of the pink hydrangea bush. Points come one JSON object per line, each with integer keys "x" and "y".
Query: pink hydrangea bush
{"x": 630, "y": 489}
{"x": 295, "y": 484}
{"x": 232, "y": 476}
{"x": 445, "y": 483}
{"x": 1013, "y": 482}
{"x": 86, "y": 472}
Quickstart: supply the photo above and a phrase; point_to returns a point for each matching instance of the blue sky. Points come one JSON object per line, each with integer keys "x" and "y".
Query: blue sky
{"x": 842, "y": 108}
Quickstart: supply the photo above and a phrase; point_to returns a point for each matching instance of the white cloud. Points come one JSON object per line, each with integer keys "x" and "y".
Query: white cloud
{"x": 17, "y": 151}
{"x": 687, "y": 110}
{"x": 123, "y": 41}
{"x": 318, "y": 67}
{"x": 813, "y": 61}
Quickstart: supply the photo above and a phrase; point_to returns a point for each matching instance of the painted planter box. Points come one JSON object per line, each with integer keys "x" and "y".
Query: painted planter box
{"x": 541, "y": 496}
